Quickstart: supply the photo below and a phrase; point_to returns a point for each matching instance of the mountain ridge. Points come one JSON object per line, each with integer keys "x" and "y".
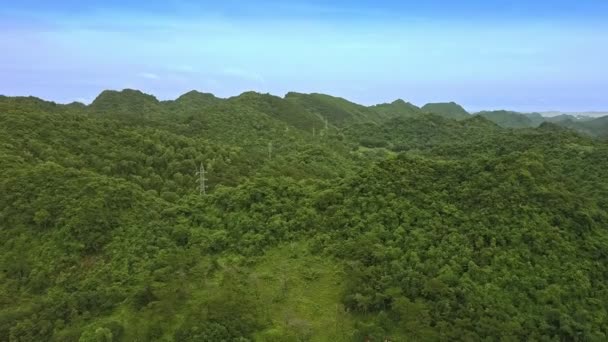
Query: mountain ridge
{"x": 306, "y": 112}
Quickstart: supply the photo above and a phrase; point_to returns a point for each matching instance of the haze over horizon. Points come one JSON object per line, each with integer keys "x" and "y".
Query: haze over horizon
{"x": 541, "y": 56}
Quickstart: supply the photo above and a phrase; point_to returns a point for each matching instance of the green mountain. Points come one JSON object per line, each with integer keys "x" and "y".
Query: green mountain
{"x": 559, "y": 118}
{"x": 449, "y": 110}
{"x": 191, "y": 103}
{"x": 598, "y": 126}
{"x": 537, "y": 118}
{"x": 420, "y": 132}
{"x": 27, "y": 105}
{"x": 581, "y": 116}
{"x": 128, "y": 104}
{"x": 388, "y": 223}
{"x": 510, "y": 119}
{"x": 595, "y": 127}
{"x": 398, "y": 108}
{"x": 289, "y": 112}
{"x": 337, "y": 111}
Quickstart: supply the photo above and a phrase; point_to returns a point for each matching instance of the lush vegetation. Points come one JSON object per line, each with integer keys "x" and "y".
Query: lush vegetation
{"x": 323, "y": 220}
{"x": 509, "y": 119}
{"x": 449, "y": 110}
{"x": 595, "y": 127}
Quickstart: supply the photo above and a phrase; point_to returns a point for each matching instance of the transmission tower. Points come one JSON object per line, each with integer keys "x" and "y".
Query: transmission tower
{"x": 270, "y": 151}
{"x": 201, "y": 180}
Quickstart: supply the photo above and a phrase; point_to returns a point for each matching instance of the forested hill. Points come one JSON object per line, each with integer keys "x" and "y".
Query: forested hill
{"x": 511, "y": 119}
{"x": 592, "y": 126}
{"x": 319, "y": 220}
{"x": 449, "y": 110}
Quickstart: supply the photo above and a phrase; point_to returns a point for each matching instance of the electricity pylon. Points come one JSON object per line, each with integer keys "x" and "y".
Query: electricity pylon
{"x": 201, "y": 180}
{"x": 270, "y": 151}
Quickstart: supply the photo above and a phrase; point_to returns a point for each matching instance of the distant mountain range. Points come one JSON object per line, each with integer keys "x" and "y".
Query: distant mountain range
{"x": 592, "y": 114}
{"x": 305, "y": 112}
{"x": 594, "y": 126}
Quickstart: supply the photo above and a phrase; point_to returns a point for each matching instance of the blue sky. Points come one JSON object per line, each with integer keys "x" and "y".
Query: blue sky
{"x": 521, "y": 55}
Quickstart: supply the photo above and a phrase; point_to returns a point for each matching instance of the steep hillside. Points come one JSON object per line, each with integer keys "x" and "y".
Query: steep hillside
{"x": 191, "y": 103}
{"x": 338, "y": 111}
{"x": 537, "y": 118}
{"x": 594, "y": 127}
{"x": 128, "y": 104}
{"x": 510, "y": 119}
{"x": 398, "y": 108}
{"x": 289, "y": 112}
{"x": 27, "y": 105}
{"x": 449, "y": 110}
{"x": 419, "y": 133}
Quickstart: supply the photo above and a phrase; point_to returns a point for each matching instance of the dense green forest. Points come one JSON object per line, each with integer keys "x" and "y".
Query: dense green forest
{"x": 320, "y": 220}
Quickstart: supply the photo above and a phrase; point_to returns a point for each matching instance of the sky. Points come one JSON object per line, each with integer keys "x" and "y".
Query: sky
{"x": 520, "y": 55}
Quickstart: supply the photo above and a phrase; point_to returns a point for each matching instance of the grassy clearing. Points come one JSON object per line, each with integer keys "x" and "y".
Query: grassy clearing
{"x": 301, "y": 295}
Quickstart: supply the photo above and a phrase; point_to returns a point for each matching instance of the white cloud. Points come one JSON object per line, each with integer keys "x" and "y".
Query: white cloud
{"x": 149, "y": 75}
{"x": 186, "y": 69}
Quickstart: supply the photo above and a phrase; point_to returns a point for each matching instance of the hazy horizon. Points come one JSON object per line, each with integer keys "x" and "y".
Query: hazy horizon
{"x": 517, "y": 55}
